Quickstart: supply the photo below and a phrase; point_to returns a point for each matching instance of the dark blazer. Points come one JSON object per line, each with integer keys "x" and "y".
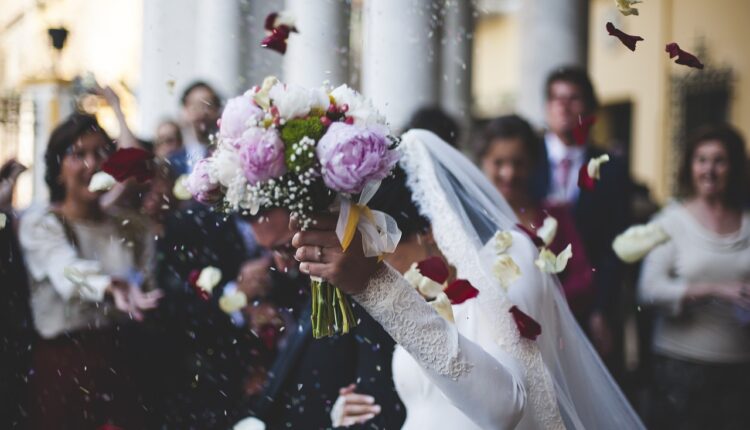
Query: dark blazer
{"x": 304, "y": 381}
{"x": 600, "y": 215}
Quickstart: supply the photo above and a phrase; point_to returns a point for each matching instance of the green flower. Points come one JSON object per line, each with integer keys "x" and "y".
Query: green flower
{"x": 299, "y": 136}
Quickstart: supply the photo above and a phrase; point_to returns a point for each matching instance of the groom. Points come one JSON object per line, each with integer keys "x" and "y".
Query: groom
{"x": 305, "y": 379}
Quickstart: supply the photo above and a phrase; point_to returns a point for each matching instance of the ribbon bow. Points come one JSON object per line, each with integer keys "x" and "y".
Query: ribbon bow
{"x": 380, "y": 233}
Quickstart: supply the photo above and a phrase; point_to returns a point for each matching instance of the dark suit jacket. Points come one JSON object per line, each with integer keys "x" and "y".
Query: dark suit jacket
{"x": 600, "y": 215}
{"x": 304, "y": 381}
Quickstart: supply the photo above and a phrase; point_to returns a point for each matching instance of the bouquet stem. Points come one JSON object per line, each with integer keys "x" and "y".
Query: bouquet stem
{"x": 331, "y": 311}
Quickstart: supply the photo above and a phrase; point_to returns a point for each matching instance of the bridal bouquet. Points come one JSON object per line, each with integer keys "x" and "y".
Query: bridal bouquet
{"x": 304, "y": 150}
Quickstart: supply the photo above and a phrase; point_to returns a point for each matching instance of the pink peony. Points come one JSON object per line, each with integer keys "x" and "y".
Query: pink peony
{"x": 261, "y": 154}
{"x": 200, "y": 185}
{"x": 239, "y": 113}
{"x": 352, "y": 156}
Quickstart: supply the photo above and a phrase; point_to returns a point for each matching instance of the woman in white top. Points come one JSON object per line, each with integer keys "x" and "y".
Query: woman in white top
{"x": 479, "y": 372}
{"x": 700, "y": 281}
{"x": 84, "y": 266}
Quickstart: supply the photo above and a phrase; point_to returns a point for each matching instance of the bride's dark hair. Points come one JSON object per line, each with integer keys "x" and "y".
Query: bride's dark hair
{"x": 395, "y": 198}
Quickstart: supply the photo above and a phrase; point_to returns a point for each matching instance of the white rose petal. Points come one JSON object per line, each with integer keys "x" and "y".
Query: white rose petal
{"x": 261, "y": 96}
{"x": 233, "y": 302}
{"x": 3, "y": 220}
{"x": 595, "y": 164}
{"x": 637, "y": 241}
{"x": 210, "y": 277}
{"x": 506, "y": 270}
{"x": 550, "y": 263}
{"x": 626, "y": 6}
{"x": 250, "y": 423}
{"x": 503, "y": 241}
{"x": 179, "y": 190}
{"x": 548, "y": 230}
{"x": 101, "y": 181}
{"x": 443, "y": 306}
{"x": 426, "y": 286}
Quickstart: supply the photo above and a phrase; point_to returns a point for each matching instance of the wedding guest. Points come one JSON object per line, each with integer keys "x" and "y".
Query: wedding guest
{"x": 201, "y": 108}
{"x": 168, "y": 139}
{"x": 600, "y": 214}
{"x": 437, "y": 121}
{"x": 700, "y": 282}
{"x": 510, "y": 151}
{"x": 306, "y": 377}
{"x": 9, "y": 173}
{"x": 85, "y": 267}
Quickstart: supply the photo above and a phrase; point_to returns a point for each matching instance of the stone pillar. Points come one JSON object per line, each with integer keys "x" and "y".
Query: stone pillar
{"x": 320, "y": 51}
{"x": 217, "y": 41}
{"x": 400, "y": 57}
{"x": 456, "y": 60}
{"x": 553, "y": 33}
{"x": 258, "y": 62}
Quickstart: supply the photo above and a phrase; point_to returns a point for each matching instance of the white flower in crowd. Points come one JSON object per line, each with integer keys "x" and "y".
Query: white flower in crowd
{"x": 101, "y": 181}
{"x": 360, "y": 108}
{"x": 261, "y": 96}
{"x": 179, "y": 190}
{"x": 503, "y": 241}
{"x": 233, "y": 301}
{"x": 442, "y": 305}
{"x": 548, "y": 230}
{"x": 209, "y": 278}
{"x": 506, "y": 270}
{"x": 548, "y": 262}
{"x": 426, "y": 286}
{"x": 626, "y": 6}
{"x": 292, "y": 101}
{"x": 595, "y": 164}
{"x": 637, "y": 241}
{"x": 3, "y": 220}
{"x": 250, "y": 423}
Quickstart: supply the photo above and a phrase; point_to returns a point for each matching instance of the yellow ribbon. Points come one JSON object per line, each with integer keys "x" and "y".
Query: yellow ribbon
{"x": 352, "y": 222}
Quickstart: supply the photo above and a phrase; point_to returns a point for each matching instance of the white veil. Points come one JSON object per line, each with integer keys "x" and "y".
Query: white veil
{"x": 465, "y": 212}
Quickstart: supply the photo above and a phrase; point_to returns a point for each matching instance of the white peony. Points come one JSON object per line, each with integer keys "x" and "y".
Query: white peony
{"x": 637, "y": 241}
{"x": 548, "y": 230}
{"x": 506, "y": 270}
{"x": 225, "y": 165}
{"x": 595, "y": 164}
{"x": 319, "y": 99}
{"x": 250, "y": 423}
{"x": 443, "y": 306}
{"x": 101, "y": 181}
{"x": 209, "y": 278}
{"x": 292, "y": 101}
{"x": 232, "y": 302}
{"x": 503, "y": 241}
{"x": 360, "y": 109}
{"x": 548, "y": 262}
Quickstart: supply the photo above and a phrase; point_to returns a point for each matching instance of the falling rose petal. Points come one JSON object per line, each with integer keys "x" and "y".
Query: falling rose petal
{"x": 434, "y": 268}
{"x": 548, "y": 230}
{"x": 506, "y": 270}
{"x": 442, "y": 305}
{"x": 626, "y": 39}
{"x": 250, "y": 423}
{"x": 582, "y": 129}
{"x": 101, "y": 181}
{"x": 626, "y": 6}
{"x": 683, "y": 57}
{"x": 209, "y": 278}
{"x": 129, "y": 163}
{"x": 534, "y": 238}
{"x": 193, "y": 282}
{"x": 503, "y": 241}
{"x": 548, "y": 262}
{"x": 179, "y": 190}
{"x": 270, "y": 21}
{"x": 233, "y": 301}
{"x": 594, "y": 165}
{"x": 276, "y": 41}
{"x": 427, "y": 287}
{"x": 527, "y": 327}
{"x": 460, "y": 291}
{"x": 637, "y": 241}
{"x": 3, "y": 220}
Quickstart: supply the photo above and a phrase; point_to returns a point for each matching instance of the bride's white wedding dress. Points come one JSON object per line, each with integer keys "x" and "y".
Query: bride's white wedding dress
{"x": 479, "y": 373}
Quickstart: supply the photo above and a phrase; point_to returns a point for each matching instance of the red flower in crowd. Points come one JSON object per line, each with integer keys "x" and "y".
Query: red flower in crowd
{"x": 129, "y": 163}
{"x": 582, "y": 129}
{"x": 528, "y": 328}
{"x": 193, "y": 282}
{"x": 279, "y": 33}
{"x": 533, "y": 236}
{"x": 683, "y": 57}
{"x": 585, "y": 182}
{"x": 460, "y": 291}
{"x": 434, "y": 268}
{"x": 625, "y": 38}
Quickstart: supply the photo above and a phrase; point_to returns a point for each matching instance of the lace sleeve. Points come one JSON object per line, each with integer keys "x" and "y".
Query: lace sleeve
{"x": 470, "y": 377}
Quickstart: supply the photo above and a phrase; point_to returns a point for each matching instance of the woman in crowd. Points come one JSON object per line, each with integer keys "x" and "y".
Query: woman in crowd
{"x": 85, "y": 269}
{"x": 508, "y": 154}
{"x": 700, "y": 281}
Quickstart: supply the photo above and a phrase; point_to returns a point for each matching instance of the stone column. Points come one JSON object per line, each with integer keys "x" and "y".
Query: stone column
{"x": 553, "y": 33}
{"x": 258, "y": 62}
{"x": 320, "y": 51}
{"x": 217, "y": 45}
{"x": 456, "y": 60}
{"x": 400, "y": 57}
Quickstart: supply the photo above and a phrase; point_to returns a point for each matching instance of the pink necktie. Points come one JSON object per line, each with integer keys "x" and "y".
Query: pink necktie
{"x": 563, "y": 174}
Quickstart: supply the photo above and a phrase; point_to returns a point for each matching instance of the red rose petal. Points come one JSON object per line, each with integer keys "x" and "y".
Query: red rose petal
{"x": 585, "y": 182}
{"x": 683, "y": 57}
{"x": 460, "y": 291}
{"x": 625, "y": 38}
{"x": 192, "y": 281}
{"x": 582, "y": 129}
{"x": 434, "y": 268}
{"x": 527, "y": 327}
{"x": 532, "y": 235}
{"x": 276, "y": 41}
{"x": 109, "y": 426}
{"x": 270, "y": 21}
{"x": 129, "y": 163}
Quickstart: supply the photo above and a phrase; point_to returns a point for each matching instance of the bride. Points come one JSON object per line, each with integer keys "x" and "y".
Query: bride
{"x": 479, "y": 372}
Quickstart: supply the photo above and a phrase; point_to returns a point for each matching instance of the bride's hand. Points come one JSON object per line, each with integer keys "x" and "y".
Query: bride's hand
{"x": 352, "y": 408}
{"x": 320, "y": 254}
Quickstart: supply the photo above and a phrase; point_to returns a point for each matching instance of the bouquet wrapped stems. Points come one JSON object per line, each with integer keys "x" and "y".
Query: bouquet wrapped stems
{"x": 331, "y": 311}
